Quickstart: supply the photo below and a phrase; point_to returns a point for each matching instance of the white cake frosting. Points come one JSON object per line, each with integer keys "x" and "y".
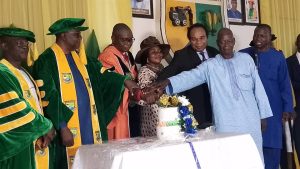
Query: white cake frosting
{"x": 168, "y": 127}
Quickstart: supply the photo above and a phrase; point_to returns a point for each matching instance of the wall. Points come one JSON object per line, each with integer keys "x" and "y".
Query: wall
{"x": 243, "y": 35}
{"x": 143, "y": 28}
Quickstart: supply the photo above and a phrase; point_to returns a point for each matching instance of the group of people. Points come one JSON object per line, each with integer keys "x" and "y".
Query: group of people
{"x": 66, "y": 101}
{"x": 69, "y": 100}
{"x": 249, "y": 90}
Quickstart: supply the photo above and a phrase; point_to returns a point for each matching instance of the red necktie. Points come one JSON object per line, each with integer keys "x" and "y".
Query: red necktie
{"x": 125, "y": 56}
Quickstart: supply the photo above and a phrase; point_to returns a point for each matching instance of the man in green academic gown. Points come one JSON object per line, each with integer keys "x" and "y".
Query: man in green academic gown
{"x": 81, "y": 97}
{"x": 21, "y": 119}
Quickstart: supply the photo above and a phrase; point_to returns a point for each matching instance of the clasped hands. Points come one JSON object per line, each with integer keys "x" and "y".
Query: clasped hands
{"x": 65, "y": 135}
{"x": 43, "y": 141}
{"x": 149, "y": 94}
{"x": 153, "y": 92}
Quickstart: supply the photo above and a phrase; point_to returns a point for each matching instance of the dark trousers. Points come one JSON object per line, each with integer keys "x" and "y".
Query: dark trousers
{"x": 296, "y": 132}
{"x": 134, "y": 120}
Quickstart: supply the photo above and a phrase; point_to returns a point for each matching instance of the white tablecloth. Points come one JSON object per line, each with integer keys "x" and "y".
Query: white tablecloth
{"x": 213, "y": 151}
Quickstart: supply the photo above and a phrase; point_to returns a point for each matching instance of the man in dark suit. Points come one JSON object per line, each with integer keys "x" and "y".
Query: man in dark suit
{"x": 188, "y": 58}
{"x": 293, "y": 63}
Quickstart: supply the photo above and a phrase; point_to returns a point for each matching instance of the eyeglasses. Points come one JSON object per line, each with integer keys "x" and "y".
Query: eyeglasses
{"x": 128, "y": 40}
{"x": 22, "y": 44}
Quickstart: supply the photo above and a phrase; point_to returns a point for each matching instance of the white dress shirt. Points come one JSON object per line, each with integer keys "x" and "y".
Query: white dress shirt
{"x": 298, "y": 56}
{"x": 205, "y": 54}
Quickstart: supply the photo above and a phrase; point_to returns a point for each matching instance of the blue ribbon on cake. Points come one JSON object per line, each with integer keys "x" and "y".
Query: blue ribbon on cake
{"x": 187, "y": 121}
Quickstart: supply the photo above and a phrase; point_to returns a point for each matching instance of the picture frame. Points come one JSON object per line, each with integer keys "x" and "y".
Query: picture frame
{"x": 252, "y": 12}
{"x": 142, "y": 8}
{"x": 235, "y": 12}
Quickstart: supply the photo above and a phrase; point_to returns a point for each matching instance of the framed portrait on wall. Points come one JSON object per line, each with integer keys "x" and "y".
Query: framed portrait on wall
{"x": 252, "y": 14}
{"x": 142, "y": 8}
{"x": 235, "y": 11}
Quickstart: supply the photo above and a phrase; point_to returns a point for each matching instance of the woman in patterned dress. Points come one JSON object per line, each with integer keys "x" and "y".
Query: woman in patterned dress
{"x": 150, "y": 56}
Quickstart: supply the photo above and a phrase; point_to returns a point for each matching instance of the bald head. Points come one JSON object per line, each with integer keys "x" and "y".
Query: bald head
{"x": 120, "y": 27}
{"x": 226, "y": 42}
{"x": 122, "y": 37}
{"x": 222, "y": 32}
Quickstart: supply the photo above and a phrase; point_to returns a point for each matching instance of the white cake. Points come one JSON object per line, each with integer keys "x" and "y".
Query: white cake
{"x": 168, "y": 127}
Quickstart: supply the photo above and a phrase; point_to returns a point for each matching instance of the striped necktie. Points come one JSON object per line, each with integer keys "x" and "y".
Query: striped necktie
{"x": 202, "y": 56}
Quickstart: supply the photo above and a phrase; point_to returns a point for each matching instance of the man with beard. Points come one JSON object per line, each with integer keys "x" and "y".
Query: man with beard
{"x": 273, "y": 71}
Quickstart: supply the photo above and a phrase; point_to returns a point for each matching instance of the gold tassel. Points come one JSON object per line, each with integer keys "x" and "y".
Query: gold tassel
{"x": 82, "y": 54}
{"x": 33, "y": 54}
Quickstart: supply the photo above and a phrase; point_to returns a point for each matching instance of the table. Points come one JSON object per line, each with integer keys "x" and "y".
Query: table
{"x": 213, "y": 151}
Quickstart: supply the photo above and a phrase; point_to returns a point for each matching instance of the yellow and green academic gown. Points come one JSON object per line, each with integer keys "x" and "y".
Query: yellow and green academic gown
{"x": 77, "y": 95}
{"x": 21, "y": 121}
